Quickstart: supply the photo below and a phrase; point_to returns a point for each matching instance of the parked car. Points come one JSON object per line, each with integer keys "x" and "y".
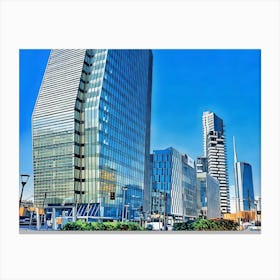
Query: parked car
{"x": 254, "y": 228}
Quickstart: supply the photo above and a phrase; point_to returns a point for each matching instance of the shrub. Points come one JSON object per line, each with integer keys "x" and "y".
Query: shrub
{"x": 134, "y": 226}
{"x": 110, "y": 226}
{"x": 97, "y": 226}
{"x": 123, "y": 226}
{"x": 223, "y": 224}
{"x": 183, "y": 226}
{"x": 203, "y": 224}
{"x": 70, "y": 226}
{"x": 200, "y": 224}
{"x": 78, "y": 225}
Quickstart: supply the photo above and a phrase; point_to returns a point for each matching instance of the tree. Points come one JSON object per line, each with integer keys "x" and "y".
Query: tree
{"x": 203, "y": 224}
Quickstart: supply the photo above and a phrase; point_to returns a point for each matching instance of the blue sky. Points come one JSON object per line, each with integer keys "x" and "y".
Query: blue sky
{"x": 185, "y": 83}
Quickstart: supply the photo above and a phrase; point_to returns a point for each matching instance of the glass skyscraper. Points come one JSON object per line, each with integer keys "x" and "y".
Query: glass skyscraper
{"x": 244, "y": 188}
{"x": 91, "y": 130}
{"x": 173, "y": 184}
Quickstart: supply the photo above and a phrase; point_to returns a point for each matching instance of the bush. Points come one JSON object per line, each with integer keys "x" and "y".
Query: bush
{"x": 223, "y": 224}
{"x": 97, "y": 226}
{"x": 78, "y": 225}
{"x": 110, "y": 226}
{"x": 204, "y": 224}
{"x": 200, "y": 224}
{"x": 183, "y": 226}
{"x": 133, "y": 226}
{"x": 196, "y": 225}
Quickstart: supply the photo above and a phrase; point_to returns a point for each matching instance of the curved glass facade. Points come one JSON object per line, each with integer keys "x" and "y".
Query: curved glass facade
{"x": 53, "y": 128}
{"x": 110, "y": 149}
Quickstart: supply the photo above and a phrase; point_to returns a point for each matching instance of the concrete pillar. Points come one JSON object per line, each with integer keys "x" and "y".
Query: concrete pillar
{"x": 74, "y": 215}
{"x": 54, "y": 227}
{"x": 38, "y": 224}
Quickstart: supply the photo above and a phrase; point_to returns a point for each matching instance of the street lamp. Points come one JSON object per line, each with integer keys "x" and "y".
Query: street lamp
{"x": 124, "y": 190}
{"x": 24, "y": 179}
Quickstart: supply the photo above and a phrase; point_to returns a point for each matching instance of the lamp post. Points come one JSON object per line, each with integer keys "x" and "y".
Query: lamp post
{"x": 24, "y": 179}
{"x": 124, "y": 190}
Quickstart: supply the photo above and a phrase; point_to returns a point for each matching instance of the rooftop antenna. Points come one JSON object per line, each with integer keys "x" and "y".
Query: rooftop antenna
{"x": 234, "y": 150}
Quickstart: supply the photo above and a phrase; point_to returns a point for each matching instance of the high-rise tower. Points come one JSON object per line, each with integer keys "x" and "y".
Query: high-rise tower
{"x": 244, "y": 188}
{"x": 214, "y": 145}
{"x": 91, "y": 130}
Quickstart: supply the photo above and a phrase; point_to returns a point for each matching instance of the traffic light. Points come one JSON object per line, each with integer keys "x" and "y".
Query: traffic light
{"x": 112, "y": 195}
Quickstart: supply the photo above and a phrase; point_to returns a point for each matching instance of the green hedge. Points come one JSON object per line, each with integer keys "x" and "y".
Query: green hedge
{"x": 195, "y": 225}
{"x": 200, "y": 224}
{"x": 108, "y": 226}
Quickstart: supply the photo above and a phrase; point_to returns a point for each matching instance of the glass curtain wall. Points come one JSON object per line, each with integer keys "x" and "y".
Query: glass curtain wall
{"x": 117, "y": 119}
{"x": 189, "y": 187}
{"x": 53, "y": 129}
{"x": 91, "y": 130}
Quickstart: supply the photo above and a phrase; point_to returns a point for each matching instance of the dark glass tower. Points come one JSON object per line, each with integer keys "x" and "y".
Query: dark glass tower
{"x": 244, "y": 187}
{"x": 245, "y": 184}
{"x": 91, "y": 130}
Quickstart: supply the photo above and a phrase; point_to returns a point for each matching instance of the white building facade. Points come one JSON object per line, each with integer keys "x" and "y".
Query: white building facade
{"x": 214, "y": 146}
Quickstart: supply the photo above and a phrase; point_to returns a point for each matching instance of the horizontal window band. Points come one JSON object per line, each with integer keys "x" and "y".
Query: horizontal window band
{"x": 79, "y": 156}
{"x": 79, "y": 180}
{"x": 79, "y": 168}
{"x": 79, "y": 122}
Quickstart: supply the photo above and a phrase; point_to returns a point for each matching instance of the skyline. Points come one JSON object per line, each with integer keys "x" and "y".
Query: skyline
{"x": 198, "y": 79}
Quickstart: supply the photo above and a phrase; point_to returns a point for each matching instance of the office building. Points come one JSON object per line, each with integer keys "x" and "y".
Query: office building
{"x": 208, "y": 196}
{"x": 245, "y": 186}
{"x": 91, "y": 131}
{"x": 201, "y": 164}
{"x": 214, "y": 145}
{"x": 245, "y": 198}
{"x": 173, "y": 184}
